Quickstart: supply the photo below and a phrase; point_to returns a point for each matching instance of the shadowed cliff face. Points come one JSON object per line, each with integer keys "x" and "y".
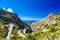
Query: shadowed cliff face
{"x": 9, "y": 17}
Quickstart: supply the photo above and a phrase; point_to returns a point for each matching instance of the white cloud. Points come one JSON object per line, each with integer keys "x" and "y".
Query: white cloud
{"x": 3, "y": 8}
{"x": 9, "y": 10}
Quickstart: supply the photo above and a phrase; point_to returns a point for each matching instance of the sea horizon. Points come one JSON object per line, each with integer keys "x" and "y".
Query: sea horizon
{"x": 29, "y": 21}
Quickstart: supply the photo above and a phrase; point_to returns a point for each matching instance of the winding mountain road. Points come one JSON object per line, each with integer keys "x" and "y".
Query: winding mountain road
{"x": 20, "y": 34}
{"x": 9, "y": 33}
{"x": 10, "y": 30}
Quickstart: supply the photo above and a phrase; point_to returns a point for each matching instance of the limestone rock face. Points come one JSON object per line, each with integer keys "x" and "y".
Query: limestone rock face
{"x": 51, "y": 19}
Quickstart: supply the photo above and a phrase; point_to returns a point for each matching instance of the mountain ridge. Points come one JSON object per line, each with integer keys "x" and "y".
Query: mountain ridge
{"x": 11, "y": 24}
{"x": 51, "y": 19}
{"x": 12, "y": 18}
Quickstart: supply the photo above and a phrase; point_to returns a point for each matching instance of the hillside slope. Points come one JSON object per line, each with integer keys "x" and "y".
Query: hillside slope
{"x": 48, "y": 28}
{"x": 11, "y": 25}
{"x": 51, "y": 19}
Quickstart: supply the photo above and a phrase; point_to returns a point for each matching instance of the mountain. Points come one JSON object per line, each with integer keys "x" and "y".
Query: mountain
{"x": 9, "y": 17}
{"x": 48, "y": 28}
{"x": 50, "y": 20}
{"x": 12, "y": 25}
{"x": 13, "y": 28}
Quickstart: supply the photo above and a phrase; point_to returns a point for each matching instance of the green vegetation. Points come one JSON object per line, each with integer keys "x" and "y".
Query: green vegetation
{"x": 47, "y": 29}
{"x": 3, "y": 29}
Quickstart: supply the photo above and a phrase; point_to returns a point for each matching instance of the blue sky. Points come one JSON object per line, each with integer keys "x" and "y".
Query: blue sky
{"x": 31, "y": 9}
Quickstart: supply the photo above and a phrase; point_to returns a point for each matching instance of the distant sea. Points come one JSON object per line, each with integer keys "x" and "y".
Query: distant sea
{"x": 29, "y": 21}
